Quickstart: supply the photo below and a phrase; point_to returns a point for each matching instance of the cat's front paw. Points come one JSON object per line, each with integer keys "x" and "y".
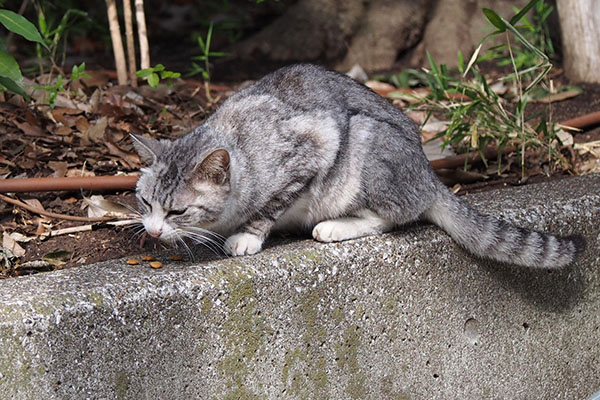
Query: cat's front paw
{"x": 332, "y": 231}
{"x": 242, "y": 244}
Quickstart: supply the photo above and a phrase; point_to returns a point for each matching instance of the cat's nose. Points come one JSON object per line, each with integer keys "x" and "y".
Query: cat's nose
{"x": 154, "y": 232}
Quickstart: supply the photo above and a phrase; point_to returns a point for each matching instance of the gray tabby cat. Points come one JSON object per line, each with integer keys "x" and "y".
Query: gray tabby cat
{"x": 309, "y": 148}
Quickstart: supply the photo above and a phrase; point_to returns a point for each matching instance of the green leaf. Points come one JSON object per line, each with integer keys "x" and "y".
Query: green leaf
{"x": 9, "y": 67}
{"x": 144, "y": 73}
{"x": 494, "y": 19}
{"x": 153, "y": 80}
{"x": 517, "y": 17}
{"x": 21, "y": 26}
{"x": 13, "y": 86}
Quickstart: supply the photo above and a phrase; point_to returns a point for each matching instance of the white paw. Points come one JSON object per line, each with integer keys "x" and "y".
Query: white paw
{"x": 333, "y": 231}
{"x": 242, "y": 244}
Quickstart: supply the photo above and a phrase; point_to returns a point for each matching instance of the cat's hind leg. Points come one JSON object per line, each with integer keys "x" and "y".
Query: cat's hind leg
{"x": 365, "y": 223}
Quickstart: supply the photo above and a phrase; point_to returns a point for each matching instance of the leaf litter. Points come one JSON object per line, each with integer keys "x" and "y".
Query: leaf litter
{"x": 85, "y": 132}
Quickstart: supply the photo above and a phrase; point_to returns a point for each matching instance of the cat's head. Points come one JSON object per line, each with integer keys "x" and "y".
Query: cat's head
{"x": 182, "y": 188}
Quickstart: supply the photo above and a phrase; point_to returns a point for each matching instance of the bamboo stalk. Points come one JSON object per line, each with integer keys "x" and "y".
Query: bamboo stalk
{"x": 142, "y": 34}
{"x": 130, "y": 42}
{"x": 117, "y": 42}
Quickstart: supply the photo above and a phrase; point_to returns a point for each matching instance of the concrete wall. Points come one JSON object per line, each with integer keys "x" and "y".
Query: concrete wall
{"x": 406, "y": 315}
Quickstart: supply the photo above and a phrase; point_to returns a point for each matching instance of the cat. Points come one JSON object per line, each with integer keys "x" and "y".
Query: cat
{"x": 306, "y": 148}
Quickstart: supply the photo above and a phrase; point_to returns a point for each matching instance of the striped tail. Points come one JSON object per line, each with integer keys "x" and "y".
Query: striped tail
{"x": 490, "y": 237}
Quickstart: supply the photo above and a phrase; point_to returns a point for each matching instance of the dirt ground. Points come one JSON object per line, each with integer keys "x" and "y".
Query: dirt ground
{"x": 70, "y": 140}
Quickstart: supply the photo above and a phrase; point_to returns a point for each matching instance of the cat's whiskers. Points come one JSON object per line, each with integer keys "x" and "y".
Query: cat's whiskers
{"x": 209, "y": 239}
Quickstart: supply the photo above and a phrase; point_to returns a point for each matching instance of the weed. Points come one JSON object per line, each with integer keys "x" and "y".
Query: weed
{"x": 60, "y": 83}
{"x": 536, "y": 32}
{"x": 205, "y": 58}
{"x": 478, "y": 116}
{"x": 153, "y": 75}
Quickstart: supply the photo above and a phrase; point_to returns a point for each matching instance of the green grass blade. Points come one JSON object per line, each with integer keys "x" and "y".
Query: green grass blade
{"x": 517, "y": 17}
{"x": 495, "y": 19}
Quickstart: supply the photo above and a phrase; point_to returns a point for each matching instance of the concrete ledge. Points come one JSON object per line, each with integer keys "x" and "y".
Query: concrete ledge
{"x": 406, "y": 315}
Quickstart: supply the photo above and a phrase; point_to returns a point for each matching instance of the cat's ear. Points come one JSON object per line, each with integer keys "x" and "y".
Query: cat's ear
{"x": 214, "y": 168}
{"x": 147, "y": 148}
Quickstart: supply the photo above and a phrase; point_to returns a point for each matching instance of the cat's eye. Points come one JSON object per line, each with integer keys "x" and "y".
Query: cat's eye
{"x": 146, "y": 204}
{"x": 172, "y": 213}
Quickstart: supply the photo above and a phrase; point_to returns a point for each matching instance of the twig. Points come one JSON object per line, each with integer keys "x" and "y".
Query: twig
{"x": 50, "y": 214}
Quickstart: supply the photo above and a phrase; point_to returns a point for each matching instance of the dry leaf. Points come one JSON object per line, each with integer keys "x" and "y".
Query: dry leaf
{"x": 10, "y": 244}
{"x": 59, "y": 167}
{"x": 34, "y": 203}
{"x": 99, "y": 207}
{"x": 560, "y": 96}
{"x": 96, "y": 132}
{"x": 565, "y": 137}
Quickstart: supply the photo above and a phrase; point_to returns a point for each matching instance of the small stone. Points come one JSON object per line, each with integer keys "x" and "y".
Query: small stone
{"x": 156, "y": 264}
{"x": 133, "y": 261}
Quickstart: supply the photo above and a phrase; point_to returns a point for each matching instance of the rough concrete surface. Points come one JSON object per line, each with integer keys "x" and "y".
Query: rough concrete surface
{"x": 406, "y": 315}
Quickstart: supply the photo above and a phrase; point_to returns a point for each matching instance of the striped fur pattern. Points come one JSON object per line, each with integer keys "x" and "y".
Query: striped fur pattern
{"x": 305, "y": 148}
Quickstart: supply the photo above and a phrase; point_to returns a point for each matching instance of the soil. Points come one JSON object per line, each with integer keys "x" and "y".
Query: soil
{"x": 185, "y": 108}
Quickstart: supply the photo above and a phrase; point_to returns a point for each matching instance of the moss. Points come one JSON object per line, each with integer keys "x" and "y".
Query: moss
{"x": 206, "y": 306}
{"x": 121, "y": 384}
{"x": 346, "y": 352}
{"x": 96, "y": 298}
{"x": 356, "y": 387}
{"x": 244, "y": 334}
{"x": 239, "y": 394}
{"x": 315, "y": 332}
{"x": 389, "y": 304}
{"x": 18, "y": 374}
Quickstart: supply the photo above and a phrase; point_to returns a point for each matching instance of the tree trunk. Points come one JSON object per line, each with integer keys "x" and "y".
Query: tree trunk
{"x": 580, "y": 28}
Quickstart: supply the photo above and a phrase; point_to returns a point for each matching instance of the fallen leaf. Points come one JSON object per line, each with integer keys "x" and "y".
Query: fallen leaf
{"x": 58, "y": 257}
{"x": 96, "y": 132}
{"x": 99, "y": 207}
{"x": 59, "y": 167}
{"x": 29, "y": 129}
{"x": 565, "y": 137}
{"x": 560, "y": 96}
{"x": 34, "y": 203}
{"x": 11, "y": 244}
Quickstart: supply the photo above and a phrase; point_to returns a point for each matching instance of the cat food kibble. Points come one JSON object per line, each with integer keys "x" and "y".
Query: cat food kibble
{"x": 175, "y": 258}
{"x": 147, "y": 258}
{"x": 133, "y": 261}
{"x": 156, "y": 264}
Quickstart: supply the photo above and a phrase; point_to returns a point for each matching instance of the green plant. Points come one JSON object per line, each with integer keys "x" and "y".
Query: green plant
{"x": 11, "y": 77}
{"x": 153, "y": 75}
{"x": 478, "y": 116}
{"x": 54, "y": 31}
{"x": 536, "y": 32}
{"x": 60, "y": 84}
{"x": 205, "y": 57}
